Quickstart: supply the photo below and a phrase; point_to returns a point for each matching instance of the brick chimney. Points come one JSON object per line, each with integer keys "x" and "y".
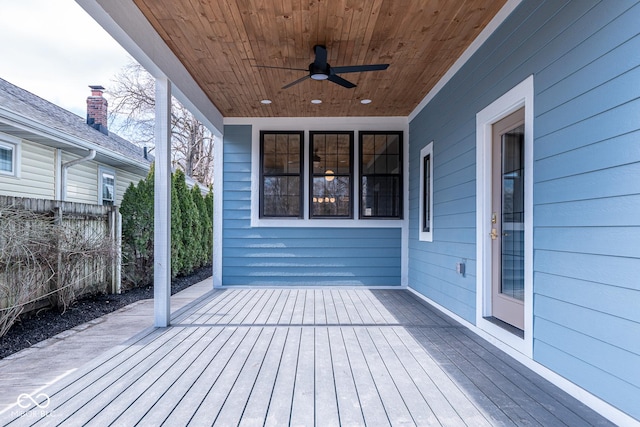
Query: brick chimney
{"x": 97, "y": 110}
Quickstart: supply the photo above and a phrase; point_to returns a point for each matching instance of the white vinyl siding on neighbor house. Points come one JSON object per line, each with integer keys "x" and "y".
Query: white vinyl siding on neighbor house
{"x": 123, "y": 179}
{"x": 36, "y": 178}
{"x": 82, "y": 181}
{"x": 35, "y": 164}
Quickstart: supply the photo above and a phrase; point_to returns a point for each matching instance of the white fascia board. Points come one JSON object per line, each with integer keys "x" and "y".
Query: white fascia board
{"x": 128, "y": 26}
{"x": 497, "y": 20}
{"x": 60, "y": 137}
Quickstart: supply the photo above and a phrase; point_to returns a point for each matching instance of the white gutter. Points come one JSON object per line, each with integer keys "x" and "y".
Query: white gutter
{"x": 23, "y": 123}
{"x": 90, "y": 156}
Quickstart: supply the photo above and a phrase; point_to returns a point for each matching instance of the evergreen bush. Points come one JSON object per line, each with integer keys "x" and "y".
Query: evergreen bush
{"x": 191, "y": 229}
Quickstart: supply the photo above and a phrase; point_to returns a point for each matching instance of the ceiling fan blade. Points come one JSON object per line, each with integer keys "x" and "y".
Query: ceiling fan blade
{"x": 300, "y": 80}
{"x": 339, "y": 80}
{"x": 281, "y": 68}
{"x": 359, "y": 68}
{"x": 321, "y": 56}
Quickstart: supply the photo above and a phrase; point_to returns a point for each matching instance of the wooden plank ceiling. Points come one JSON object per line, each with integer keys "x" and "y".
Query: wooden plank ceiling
{"x": 221, "y": 42}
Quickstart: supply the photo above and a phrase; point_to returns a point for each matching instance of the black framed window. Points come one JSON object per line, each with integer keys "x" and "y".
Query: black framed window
{"x": 425, "y": 214}
{"x": 331, "y": 175}
{"x": 381, "y": 175}
{"x": 426, "y": 193}
{"x": 281, "y": 174}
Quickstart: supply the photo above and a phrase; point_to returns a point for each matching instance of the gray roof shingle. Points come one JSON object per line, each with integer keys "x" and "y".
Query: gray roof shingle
{"x": 38, "y": 110}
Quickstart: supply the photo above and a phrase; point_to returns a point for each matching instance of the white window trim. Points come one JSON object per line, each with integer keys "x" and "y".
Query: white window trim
{"x": 426, "y": 236}
{"x": 106, "y": 171}
{"x": 516, "y": 98}
{"x": 14, "y": 144}
{"x": 318, "y": 124}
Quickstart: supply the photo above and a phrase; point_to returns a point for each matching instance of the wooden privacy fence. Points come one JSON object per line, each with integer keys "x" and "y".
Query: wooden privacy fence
{"x": 83, "y": 251}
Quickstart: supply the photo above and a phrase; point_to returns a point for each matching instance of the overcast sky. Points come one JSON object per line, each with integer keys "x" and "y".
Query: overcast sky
{"x": 55, "y": 50}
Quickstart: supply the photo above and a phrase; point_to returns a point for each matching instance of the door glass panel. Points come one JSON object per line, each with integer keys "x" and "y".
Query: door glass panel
{"x": 513, "y": 213}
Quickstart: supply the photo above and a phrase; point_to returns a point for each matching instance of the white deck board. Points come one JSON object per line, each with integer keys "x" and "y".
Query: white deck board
{"x": 324, "y": 356}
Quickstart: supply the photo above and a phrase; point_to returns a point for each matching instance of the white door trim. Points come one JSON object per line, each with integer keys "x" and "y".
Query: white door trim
{"x": 518, "y": 97}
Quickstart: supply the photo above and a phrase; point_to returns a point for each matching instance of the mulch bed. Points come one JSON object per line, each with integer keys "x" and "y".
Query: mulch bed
{"x": 47, "y": 323}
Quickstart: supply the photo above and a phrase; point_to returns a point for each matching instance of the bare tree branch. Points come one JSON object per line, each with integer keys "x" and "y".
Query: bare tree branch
{"x": 132, "y": 115}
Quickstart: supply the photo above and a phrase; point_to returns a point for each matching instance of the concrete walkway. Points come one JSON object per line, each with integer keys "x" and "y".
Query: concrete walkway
{"x": 33, "y": 368}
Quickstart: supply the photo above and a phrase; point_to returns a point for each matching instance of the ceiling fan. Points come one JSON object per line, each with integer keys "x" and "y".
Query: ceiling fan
{"x": 319, "y": 69}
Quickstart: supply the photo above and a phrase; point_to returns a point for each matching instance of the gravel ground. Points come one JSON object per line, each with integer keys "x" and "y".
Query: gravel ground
{"x": 48, "y": 323}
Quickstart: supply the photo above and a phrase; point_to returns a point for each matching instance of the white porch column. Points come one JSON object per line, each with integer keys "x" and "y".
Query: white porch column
{"x": 162, "y": 206}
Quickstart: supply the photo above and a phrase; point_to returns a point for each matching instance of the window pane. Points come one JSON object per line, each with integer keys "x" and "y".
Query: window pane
{"x": 281, "y": 196}
{"x": 108, "y": 189}
{"x": 331, "y": 197}
{"x": 6, "y": 159}
{"x": 281, "y": 168}
{"x": 381, "y": 175}
{"x": 293, "y": 154}
{"x": 426, "y": 196}
{"x": 381, "y": 196}
{"x": 331, "y": 175}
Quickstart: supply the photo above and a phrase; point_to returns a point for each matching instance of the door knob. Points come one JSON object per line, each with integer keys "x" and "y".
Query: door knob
{"x": 493, "y": 234}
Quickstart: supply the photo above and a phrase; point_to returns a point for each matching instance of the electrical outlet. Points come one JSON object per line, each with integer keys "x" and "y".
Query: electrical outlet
{"x": 460, "y": 267}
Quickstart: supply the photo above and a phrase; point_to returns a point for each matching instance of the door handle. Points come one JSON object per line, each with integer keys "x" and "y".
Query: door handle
{"x": 493, "y": 234}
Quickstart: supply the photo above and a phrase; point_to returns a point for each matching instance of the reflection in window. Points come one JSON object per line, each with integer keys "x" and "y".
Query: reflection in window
{"x": 6, "y": 159}
{"x": 108, "y": 188}
{"x": 281, "y": 172}
{"x": 381, "y": 175}
{"x": 426, "y": 194}
{"x": 331, "y": 174}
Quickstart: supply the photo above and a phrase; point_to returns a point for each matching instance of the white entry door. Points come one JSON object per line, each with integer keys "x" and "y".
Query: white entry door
{"x": 507, "y": 220}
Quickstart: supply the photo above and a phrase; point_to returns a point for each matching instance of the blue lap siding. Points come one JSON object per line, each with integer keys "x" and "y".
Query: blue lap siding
{"x": 585, "y": 59}
{"x": 275, "y": 256}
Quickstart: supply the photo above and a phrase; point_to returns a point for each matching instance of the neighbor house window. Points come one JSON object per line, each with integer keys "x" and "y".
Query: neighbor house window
{"x": 281, "y": 174}
{"x": 331, "y": 175}
{"x": 381, "y": 175}
{"x": 426, "y": 193}
{"x": 8, "y": 158}
{"x": 107, "y": 187}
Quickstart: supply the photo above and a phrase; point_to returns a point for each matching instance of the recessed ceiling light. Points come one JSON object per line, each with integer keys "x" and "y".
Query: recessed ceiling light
{"x": 365, "y": 101}
{"x": 316, "y": 101}
{"x": 266, "y": 101}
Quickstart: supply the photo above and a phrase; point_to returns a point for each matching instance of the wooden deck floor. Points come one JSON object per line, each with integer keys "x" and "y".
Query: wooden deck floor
{"x": 323, "y": 357}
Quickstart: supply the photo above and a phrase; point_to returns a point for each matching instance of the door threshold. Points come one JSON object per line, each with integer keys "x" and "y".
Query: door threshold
{"x": 506, "y": 326}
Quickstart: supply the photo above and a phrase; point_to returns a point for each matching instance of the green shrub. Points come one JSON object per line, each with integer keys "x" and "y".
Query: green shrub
{"x": 137, "y": 234}
{"x": 191, "y": 229}
{"x": 177, "y": 247}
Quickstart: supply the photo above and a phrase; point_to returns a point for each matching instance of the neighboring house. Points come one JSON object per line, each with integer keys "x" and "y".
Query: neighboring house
{"x": 49, "y": 153}
{"x": 508, "y": 198}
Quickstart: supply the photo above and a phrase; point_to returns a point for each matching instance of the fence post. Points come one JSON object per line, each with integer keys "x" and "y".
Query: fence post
{"x": 56, "y": 285}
